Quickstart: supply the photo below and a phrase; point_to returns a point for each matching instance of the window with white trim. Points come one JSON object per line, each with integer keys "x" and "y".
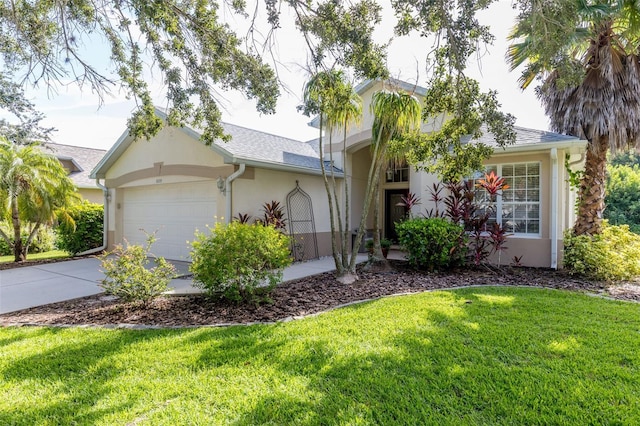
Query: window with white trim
{"x": 519, "y": 205}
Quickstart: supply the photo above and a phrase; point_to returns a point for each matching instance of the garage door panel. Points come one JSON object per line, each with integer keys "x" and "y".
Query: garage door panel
{"x": 174, "y": 210}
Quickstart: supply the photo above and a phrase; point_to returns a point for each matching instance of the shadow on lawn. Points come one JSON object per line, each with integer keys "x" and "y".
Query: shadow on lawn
{"x": 78, "y": 373}
{"x": 475, "y": 356}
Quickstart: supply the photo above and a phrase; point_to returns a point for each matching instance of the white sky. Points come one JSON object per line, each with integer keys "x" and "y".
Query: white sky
{"x": 76, "y": 116}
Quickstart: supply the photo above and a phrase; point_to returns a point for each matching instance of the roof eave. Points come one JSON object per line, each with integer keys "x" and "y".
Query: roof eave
{"x": 541, "y": 146}
{"x": 280, "y": 167}
{"x": 124, "y": 141}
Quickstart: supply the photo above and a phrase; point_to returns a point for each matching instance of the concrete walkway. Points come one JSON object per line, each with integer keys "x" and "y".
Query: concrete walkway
{"x": 30, "y": 286}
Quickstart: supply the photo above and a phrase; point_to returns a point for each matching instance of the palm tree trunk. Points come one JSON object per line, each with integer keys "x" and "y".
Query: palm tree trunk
{"x": 592, "y": 189}
{"x": 18, "y": 254}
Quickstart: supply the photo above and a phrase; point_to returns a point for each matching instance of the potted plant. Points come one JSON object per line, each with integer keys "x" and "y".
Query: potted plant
{"x": 385, "y": 244}
{"x": 369, "y": 245}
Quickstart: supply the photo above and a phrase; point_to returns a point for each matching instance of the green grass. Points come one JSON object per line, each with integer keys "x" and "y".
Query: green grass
{"x": 472, "y": 356}
{"x": 53, "y": 254}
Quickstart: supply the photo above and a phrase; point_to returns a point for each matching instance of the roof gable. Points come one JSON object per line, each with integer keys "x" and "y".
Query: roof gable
{"x": 78, "y": 161}
{"x": 252, "y": 147}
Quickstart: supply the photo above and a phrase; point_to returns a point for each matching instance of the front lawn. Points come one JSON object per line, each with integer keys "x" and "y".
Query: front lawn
{"x": 494, "y": 355}
{"x": 53, "y": 254}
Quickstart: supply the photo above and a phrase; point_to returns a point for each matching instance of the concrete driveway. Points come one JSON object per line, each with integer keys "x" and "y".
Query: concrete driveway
{"x": 30, "y": 286}
{"x": 38, "y": 285}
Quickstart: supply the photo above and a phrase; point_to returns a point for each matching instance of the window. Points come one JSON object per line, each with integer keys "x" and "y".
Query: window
{"x": 397, "y": 172}
{"x": 519, "y": 205}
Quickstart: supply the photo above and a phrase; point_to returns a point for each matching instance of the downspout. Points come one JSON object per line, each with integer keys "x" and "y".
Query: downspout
{"x": 228, "y": 192}
{"x": 105, "y": 224}
{"x": 554, "y": 208}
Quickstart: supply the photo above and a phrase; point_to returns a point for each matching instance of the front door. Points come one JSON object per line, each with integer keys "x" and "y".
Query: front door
{"x": 393, "y": 212}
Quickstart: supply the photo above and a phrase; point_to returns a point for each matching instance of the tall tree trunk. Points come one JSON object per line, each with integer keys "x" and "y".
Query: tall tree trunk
{"x": 377, "y": 261}
{"x": 18, "y": 253}
{"x": 592, "y": 189}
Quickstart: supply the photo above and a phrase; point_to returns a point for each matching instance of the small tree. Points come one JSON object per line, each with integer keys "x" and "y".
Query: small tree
{"x": 394, "y": 115}
{"x": 33, "y": 187}
{"x": 337, "y": 105}
{"x": 623, "y": 204}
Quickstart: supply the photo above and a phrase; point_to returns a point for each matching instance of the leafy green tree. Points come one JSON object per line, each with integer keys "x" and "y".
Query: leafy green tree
{"x": 459, "y": 110}
{"x": 44, "y": 42}
{"x": 334, "y": 100}
{"x": 187, "y": 43}
{"x": 33, "y": 187}
{"x": 338, "y": 34}
{"x": 626, "y": 158}
{"x": 623, "y": 196}
{"x": 585, "y": 57}
{"x": 13, "y": 101}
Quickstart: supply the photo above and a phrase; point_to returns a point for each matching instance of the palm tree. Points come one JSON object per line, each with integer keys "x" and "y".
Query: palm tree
{"x": 33, "y": 187}
{"x": 394, "y": 114}
{"x": 329, "y": 95}
{"x": 586, "y": 57}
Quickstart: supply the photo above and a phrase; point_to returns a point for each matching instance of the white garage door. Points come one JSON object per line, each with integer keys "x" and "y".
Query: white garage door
{"x": 175, "y": 210}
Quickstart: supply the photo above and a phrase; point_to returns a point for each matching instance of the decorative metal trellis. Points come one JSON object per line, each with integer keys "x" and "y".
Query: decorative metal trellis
{"x": 302, "y": 226}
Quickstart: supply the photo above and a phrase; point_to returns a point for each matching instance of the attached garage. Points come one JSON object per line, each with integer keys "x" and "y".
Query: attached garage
{"x": 174, "y": 184}
{"x": 174, "y": 210}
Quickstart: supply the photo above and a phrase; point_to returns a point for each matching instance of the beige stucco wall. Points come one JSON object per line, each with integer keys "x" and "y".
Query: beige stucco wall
{"x": 174, "y": 155}
{"x": 93, "y": 195}
{"x": 358, "y": 171}
{"x": 170, "y": 146}
{"x": 536, "y": 251}
{"x": 265, "y": 185}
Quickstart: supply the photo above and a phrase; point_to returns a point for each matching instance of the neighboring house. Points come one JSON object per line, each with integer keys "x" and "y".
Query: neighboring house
{"x": 175, "y": 184}
{"x": 79, "y": 162}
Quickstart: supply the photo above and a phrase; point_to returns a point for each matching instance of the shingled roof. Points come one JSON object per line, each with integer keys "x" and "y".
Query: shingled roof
{"x": 78, "y": 160}
{"x": 254, "y": 145}
{"x": 527, "y": 137}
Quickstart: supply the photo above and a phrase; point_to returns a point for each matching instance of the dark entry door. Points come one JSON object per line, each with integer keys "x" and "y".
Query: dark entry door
{"x": 393, "y": 212}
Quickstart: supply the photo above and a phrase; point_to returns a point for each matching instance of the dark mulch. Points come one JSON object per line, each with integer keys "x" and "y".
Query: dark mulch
{"x": 298, "y": 298}
{"x": 29, "y": 262}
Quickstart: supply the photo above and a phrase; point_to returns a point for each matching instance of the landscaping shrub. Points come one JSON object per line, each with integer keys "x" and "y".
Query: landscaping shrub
{"x": 86, "y": 230}
{"x": 239, "y": 261}
{"x": 128, "y": 276}
{"x": 610, "y": 256}
{"x": 432, "y": 243}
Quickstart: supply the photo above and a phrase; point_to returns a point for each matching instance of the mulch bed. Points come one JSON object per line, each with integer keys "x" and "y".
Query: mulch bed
{"x": 29, "y": 262}
{"x": 297, "y": 298}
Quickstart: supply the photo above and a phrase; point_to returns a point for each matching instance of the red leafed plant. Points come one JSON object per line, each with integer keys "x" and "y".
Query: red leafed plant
{"x": 408, "y": 201}
{"x": 492, "y": 183}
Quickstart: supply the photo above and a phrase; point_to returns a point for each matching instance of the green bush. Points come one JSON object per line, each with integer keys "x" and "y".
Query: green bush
{"x": 610, "y": 256}
{"x": 239, "y": 262}
{"x": 129, "y": 277}
{"x": 86, "y": 230}
{"x": 432, "y": 243}
{"x": 45, "y": 240}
